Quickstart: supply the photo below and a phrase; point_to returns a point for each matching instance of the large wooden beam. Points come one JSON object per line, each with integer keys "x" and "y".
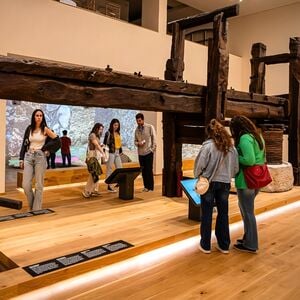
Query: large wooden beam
{"x": 175, "y": 65}
{"x": 59, "y": 70}
{"x": 294, "y": 126}
{"x": 229, "y": 11}
{"x": 258, "y": 69}
{"x": 273, "y": 59}
{"x": 217, "y": 70}
{"x": 41, "y": 90}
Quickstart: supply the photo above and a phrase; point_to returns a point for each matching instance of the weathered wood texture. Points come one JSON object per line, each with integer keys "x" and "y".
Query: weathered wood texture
{"x": 172, "y": 169}
{"x": 273, "y": 139}
{"x": 273, "y": 59}
{"x": 43, "y": 90}
{"x": 175, "y": 64}
{"x": 83, "y": 74}
{"x": 255, "y": 105}
{"x": 217, "y": 71}
{"x": 189, "y": 22}
{"x": 294, "y": 125}
{"x": 258, "y": 69}
{"x": 60, "y": 83}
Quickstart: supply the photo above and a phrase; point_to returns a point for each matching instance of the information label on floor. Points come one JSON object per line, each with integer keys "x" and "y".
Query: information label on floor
{"x": 75, "y": 258}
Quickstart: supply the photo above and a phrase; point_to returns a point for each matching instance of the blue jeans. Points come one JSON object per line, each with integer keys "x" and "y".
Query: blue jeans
{"x": 35, "y": 164}
{"x": 113, "y": 159}
{"x": 217, "y": 193}
{"x": 246, "y": 204}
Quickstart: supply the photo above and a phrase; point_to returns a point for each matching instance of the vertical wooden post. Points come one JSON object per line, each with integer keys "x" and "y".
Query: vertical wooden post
{"x": 172, "y": 170}
{"x": 175, "y": 64}
{"x": 217, "y": 70}
{"x": 294, "y": 92}
{"x": 258, "y": 69}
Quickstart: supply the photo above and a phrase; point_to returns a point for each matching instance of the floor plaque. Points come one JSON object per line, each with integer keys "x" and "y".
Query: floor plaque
{"x": 75, "y": 258}
{"x": 26, "y": 214}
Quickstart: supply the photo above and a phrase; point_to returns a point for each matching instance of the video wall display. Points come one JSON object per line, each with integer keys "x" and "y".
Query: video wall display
{"x": 78, "y": 121}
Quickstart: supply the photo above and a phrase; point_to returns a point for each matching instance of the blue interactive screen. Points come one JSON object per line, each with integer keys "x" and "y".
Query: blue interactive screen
{"x": 188, "y": 186}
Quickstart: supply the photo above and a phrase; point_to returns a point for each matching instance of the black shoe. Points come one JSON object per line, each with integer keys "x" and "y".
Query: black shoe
{"x": 241, "y": 247}
{"x": 239, "y": 241}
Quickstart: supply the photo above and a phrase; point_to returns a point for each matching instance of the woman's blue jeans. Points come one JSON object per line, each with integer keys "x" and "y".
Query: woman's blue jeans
{"x": 246, "y": 204}
{"x": 218, "y": 194}
{"x": 35, "y": 165}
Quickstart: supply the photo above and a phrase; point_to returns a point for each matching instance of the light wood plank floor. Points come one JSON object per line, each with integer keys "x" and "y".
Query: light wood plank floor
{"x": 271, "y": 274}
{"x": 148, "y": 221}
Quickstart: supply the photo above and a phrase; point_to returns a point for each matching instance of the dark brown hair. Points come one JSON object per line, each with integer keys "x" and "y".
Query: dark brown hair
{"x": 240, "y": 125}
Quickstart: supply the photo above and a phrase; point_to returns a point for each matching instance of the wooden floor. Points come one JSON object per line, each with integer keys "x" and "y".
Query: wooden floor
{"x": 149, "y": 221}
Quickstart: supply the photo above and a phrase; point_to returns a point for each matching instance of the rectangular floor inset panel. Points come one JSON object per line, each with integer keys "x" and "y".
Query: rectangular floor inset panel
{"x": 75, "y": 258}
{"x": 26, "y": 214}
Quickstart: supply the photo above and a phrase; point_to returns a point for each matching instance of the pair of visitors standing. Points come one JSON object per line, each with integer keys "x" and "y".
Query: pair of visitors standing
{"x": 93, "y": 160}
{"x": 145, "y": 140}
{"x": 218, "y": 162}
{"x": 38, "y": 142}
{"x": 65, "y": 148}
{"x": 113, "y": 141}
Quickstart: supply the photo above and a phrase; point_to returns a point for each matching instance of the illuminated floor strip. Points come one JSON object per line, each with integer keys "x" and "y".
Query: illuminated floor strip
{"x": 135, "y": 265}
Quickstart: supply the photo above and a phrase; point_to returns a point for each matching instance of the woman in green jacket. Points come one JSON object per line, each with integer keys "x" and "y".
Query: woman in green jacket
{"x": 251, "y": 149}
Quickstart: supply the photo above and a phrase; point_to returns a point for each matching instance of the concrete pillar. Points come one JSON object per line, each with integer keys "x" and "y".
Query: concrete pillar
{"x": 154, "y": 15}
{"x": 3, "y": 144}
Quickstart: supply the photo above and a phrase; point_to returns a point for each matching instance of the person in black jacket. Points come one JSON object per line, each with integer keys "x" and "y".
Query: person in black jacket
{"x": 113, "y": 140}
{"x": 38, "y": 142}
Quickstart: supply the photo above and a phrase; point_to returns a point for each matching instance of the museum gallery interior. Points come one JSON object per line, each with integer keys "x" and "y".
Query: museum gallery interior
{"x": 180, "y": 63}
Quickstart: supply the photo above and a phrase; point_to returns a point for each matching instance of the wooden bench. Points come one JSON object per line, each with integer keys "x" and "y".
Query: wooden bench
{"x": 69, "y": 175}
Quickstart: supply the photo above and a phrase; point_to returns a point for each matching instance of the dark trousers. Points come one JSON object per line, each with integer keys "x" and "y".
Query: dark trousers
{"x": 64, "y": 157}
{"x": 51, "y": 161}
{"x": 146, "y": 162}
{"x": 218, "y": 193}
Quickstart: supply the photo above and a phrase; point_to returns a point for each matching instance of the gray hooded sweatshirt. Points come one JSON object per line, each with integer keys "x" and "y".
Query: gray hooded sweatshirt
{"x": 210, "y": 163}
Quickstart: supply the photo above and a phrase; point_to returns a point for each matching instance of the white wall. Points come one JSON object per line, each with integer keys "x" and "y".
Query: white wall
{"x": 273, "y": 28}
{"x": 50, "y": 30}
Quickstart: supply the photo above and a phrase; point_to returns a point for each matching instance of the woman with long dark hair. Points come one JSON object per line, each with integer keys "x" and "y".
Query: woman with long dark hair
{"x": 114, "y": 142}
{"x": 218, "y": 162}
{"x": 251, "y": 149}
{"x": 37, "y": 145}
{"x": 94, "y": 154}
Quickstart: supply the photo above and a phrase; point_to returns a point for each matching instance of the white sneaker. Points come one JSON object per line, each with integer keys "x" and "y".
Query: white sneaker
{"x": 222, "y": 250}
{"x": 85, "y": 195}
{"x": 203, "y": 250}
{"x": 145, "y": 190}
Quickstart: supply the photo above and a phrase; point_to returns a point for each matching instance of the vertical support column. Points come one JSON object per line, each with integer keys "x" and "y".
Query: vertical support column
{"x": 175, "y": 65}
{"x": 172, "y": 170}
{"x": 3, "y": 145}
{"x": 294, "y": 92}
{"x": 154, "y": 15}
{"x": 258, "y": 69}
{"x": 217, "y": 70}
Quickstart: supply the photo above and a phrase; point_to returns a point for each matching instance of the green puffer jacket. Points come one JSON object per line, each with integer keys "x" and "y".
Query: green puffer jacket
{"x": 249, "y": 155}
{"x": 94, "y": 168}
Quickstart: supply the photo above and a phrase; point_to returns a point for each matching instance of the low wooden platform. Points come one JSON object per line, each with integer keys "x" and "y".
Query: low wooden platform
{"x": 148, "y": 221}
{"x": 69, "y": 175}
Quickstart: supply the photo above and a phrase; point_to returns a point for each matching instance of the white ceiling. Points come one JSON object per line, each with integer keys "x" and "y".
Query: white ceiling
{"x": 246, "y": 6}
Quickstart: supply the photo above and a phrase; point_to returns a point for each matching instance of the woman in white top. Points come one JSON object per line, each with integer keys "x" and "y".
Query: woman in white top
{"x": 33, "y": 157}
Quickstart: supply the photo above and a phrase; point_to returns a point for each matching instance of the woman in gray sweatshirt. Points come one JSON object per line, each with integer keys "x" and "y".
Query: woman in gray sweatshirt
{"x": 218, "y": 162}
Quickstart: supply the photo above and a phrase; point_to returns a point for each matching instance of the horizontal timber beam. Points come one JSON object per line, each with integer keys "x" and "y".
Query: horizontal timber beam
{"x": 60, "y": 70}
{"x": 193, "y": 21}
{"x": 41, "y": 90}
